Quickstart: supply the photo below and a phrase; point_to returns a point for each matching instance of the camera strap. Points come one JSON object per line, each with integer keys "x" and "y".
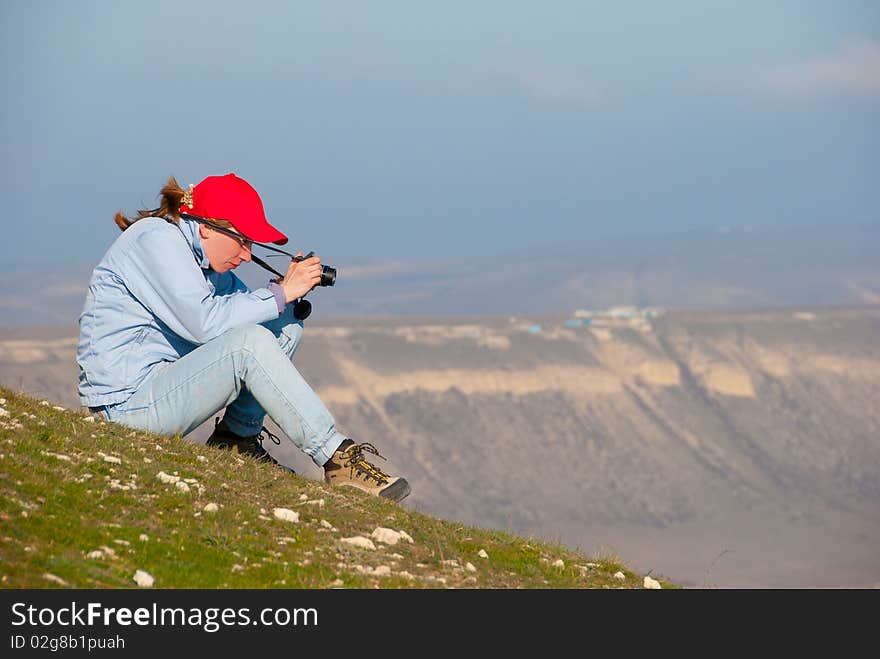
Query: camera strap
{"x": 302, "y": 308}
{"x": 260, "y": 262}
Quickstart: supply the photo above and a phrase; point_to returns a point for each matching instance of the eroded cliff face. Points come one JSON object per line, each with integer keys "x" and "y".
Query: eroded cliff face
{"x": 738, "y": 449}
{"x": 763, "y": 419}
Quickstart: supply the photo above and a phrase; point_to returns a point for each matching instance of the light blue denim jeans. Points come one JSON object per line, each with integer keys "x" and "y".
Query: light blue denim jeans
{"x": 249, "y": 371}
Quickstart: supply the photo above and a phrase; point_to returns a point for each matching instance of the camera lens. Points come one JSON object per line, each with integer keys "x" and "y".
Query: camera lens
{"x": 328, "y": 275}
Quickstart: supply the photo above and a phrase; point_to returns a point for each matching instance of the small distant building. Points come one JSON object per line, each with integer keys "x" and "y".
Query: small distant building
{"x": 623, "y": 312}
{"x": 614, "y": 315}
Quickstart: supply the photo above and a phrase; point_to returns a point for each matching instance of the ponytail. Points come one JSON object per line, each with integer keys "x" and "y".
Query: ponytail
{"x": 169, "y": 207}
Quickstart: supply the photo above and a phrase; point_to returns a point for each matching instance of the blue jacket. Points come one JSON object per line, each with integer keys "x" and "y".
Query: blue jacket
{"x": 152, "y": 299}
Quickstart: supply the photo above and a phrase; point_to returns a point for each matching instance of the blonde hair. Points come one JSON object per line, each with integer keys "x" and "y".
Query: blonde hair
{"x": 171, "y": 198}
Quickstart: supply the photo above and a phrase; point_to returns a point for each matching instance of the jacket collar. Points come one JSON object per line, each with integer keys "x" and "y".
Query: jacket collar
{"x": 190, "y": 231}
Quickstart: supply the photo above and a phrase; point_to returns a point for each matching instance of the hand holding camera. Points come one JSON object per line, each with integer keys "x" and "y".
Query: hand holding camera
{"x": 302, "y": 276}
{"x": 304, "y": 273}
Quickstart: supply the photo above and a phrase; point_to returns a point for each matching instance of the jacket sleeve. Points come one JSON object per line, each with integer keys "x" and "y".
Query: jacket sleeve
{"x": 228, "y": 283}
{"x": 162, "y": 274}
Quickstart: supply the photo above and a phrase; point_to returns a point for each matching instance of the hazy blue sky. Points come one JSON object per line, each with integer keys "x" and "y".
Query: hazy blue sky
{"x": 409, "y": 128}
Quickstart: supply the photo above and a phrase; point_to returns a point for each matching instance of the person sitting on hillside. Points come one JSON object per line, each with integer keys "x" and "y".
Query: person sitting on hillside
{"x": 169, "y": 336}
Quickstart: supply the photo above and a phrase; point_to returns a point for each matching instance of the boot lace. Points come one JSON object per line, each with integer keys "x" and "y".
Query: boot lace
{"x": 264, "y": 455}
{"x": 353, "y": 458}
{"x": 265, "y": 434}
{"x": 250, "y": 445}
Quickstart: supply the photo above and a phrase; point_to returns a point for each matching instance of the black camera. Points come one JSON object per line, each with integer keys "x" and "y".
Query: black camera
{"x": 303, "y": 308}
{"x": 328, "y": 274}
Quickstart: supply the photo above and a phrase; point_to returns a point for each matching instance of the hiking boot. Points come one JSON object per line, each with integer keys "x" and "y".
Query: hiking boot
{"x": 348, "y": 468}
{"x": 224, "y": 438}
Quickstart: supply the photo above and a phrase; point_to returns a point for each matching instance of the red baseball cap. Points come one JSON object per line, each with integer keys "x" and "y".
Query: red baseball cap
{"x": 233, "y": 199}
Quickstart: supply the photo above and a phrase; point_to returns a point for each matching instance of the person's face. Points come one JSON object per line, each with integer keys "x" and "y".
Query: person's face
{"x": 224, "y": 252}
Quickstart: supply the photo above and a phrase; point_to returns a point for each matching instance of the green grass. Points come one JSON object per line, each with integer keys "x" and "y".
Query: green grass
{"x": 63, "y": 505}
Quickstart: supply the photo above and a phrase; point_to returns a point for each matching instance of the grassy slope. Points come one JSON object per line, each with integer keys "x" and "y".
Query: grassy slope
{"x": 63, "y": 500}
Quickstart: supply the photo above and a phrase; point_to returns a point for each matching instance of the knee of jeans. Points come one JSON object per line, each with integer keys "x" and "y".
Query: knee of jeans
{"x": 255, "y": 336}
{"x": 290, "y": 338}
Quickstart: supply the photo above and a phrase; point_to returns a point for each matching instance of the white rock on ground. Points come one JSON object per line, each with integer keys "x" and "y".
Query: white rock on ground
{"x": 167, "y": 478}
{"x": 559, "y": 563}
{"x": 285, "y": 514}
{"x": 382, "y": 571}
{"x": 101, "y": 552}
{"x": 388, "y": 536}
{"x": 180, "y": 485}
{"x": 482, "y": 554}
{"x": 143, "y": 579}
{"x": 619, "y": 575}
{"x": 405, "y": 536}
{"x": 143, "y": 537}
{"x": 359, "y": 541}
{"x": 652, "y": 583}
{"x": 211, "y": 508}
{"x": 48, "y": 576}
{"x": 470, "y": 567}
